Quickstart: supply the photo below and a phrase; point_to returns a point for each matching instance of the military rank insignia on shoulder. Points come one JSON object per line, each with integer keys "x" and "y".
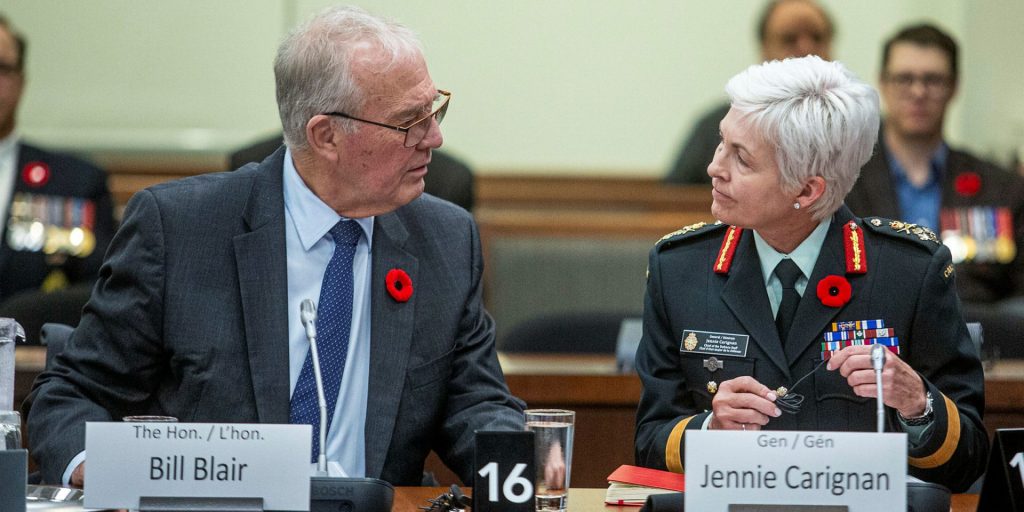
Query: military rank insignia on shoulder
{"x": 688, "y": 231}
{"x": 905, "y": 230}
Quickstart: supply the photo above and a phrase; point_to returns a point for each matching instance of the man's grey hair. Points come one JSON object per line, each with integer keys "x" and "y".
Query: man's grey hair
{"x": 820, "y": 119}
{"x": 313, "y": 66}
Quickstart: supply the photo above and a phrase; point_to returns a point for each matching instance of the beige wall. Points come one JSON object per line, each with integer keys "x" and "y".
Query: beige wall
{"x": 580, "y": 86}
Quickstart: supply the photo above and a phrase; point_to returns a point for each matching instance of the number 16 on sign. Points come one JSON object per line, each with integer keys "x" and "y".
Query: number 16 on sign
{"x": 504, "y": 472}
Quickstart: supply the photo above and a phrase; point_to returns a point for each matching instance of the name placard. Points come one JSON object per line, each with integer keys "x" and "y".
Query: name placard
{"x": 212, "y": 460}
{"x": 858, "y": 471}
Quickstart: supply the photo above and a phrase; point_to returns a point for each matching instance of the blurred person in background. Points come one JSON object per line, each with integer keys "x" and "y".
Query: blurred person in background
{"x": 786, "y": 28}
{"x": 56, "y": 211}
{"x": 914, "y": 175}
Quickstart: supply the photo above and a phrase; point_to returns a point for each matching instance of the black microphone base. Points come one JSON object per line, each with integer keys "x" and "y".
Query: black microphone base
{"x": 331, "y": 494}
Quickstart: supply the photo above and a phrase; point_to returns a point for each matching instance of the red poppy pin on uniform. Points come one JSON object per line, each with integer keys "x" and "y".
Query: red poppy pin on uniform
{"x": 399, "y": 284}
{"x": 967, "y": 184}
{"x": 834, "y": 291}
{"x": 35, "y": 174}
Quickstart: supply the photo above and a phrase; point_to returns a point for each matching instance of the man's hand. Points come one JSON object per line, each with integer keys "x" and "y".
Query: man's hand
{"x": 78, "y": 476}
{"x": 743, "y": 403}
{"x": 904, "y": 389}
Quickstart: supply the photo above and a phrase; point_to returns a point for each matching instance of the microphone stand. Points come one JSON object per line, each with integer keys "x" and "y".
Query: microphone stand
{"x": 308, "y": 317}
{"x": 326, "y": 493}
{"x": 878, "y": 363}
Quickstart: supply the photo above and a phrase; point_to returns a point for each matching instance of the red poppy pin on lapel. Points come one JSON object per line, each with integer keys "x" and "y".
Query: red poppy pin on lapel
{"x": 967, "y": 183}
{"x": 35, "y": 174}
{"x": 834, "y": 291}
{"x": 399, "y": 285}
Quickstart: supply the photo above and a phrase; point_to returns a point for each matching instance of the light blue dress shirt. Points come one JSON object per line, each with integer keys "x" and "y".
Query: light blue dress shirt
{"x": 307, "y": 223}
{"x": 920, "y": 205}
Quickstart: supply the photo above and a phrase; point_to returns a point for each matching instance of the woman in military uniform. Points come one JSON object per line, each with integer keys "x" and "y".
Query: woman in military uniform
{"x": 766, "y": 318}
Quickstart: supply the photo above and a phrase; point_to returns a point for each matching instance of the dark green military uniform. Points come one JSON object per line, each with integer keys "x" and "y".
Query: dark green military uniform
{"x": 908, "y": 283}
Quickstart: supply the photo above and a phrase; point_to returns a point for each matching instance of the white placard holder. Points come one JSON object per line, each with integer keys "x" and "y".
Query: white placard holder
{"x": 734, "y": 470}
{"x": 169, "y": 467}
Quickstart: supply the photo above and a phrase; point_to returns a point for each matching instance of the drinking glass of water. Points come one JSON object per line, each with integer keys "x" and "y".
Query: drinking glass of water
{"x": 10, "y": 430}
{"x": 553, "y": 431}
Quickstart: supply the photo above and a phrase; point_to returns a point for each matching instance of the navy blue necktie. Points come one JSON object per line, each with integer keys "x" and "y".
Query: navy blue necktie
{"x": 333, "y": 324}
{"x": 788, "y": 273}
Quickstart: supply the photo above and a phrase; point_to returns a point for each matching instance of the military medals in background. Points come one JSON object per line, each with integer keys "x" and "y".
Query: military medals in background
{"x": 57, "y": 226}
{"x": 980, "y": 234}
{"x": 858, "y": 332}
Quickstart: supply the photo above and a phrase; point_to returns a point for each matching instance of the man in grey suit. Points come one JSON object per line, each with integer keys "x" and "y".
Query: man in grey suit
{"x": 197, "y": 311}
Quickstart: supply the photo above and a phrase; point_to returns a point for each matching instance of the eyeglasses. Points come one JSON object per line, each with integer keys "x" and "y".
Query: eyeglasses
{"x": 417, "y": 130}
{"x": 933, "y": 83}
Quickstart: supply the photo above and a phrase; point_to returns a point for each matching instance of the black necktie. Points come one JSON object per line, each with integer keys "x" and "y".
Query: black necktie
{"x": 788, "y": 273}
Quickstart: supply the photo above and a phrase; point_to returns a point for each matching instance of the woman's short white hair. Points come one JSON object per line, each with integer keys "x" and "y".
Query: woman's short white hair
{"x": 313, "y": 65}
{"x": 820, "y": 118}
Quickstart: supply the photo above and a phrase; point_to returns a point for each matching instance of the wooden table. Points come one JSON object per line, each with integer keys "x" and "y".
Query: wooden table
{"x": 605, "y": 402}
{"x": 409, "y": 499}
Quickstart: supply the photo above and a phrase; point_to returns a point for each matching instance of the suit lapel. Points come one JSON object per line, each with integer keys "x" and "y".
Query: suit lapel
{"x": 392, "y": 325}
{"x": 260, "y": 255}
{"x": 744, "y": 293}
{"x": 812, "y": 316}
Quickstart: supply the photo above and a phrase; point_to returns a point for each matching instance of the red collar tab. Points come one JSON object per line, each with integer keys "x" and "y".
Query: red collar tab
{"x": 853, "y": 242}
{"x": 728, "y": 250}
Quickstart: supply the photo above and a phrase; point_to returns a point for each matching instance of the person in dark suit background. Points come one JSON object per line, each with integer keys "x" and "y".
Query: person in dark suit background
{"x": 789, "y": 270}
{"x": 56, "y": 209}
{"x": 447, "y": 177}
{"x": 202, "y": 286}
{"x": 786, "y": 28}
{"x": 977, "y": 207}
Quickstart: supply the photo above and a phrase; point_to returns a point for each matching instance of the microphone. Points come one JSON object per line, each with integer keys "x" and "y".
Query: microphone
{"x": 326, "y": 493}
{"x": 878, "y": 362}
{"x": 307, "y": 313}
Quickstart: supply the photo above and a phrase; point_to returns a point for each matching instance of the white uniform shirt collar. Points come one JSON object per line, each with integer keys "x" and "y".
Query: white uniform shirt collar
{"x": 8, "y": 173}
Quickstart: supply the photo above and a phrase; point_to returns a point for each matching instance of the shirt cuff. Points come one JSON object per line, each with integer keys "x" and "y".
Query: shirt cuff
{"x": 72, "y": 466}
{"x": 707, "y": 422}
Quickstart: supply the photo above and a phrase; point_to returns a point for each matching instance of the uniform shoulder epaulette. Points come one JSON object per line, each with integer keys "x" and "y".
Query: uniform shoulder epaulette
{"x": 904, "y": 230}
{"x": 690, "y": 231}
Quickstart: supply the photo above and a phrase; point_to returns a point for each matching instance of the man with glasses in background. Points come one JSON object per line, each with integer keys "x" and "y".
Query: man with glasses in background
{"x": 199, "y": 311}
{"x": 56, "y": 215}
{"x": 915, "y": 176}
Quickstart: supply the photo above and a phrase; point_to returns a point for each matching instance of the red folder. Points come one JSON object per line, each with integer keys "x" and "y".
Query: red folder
{"x": 648, "y": 477}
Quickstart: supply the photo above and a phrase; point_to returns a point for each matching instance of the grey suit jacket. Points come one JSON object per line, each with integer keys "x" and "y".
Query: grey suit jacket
{"x": 189, "y": 319}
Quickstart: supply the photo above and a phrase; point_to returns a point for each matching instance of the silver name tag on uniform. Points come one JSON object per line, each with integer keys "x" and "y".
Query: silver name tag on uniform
{"x": 714, "y": 343}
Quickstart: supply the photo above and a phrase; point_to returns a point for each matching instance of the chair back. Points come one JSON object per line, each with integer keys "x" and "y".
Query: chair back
{"x": 54, "y": 336}
{"x": 587, "y": 332}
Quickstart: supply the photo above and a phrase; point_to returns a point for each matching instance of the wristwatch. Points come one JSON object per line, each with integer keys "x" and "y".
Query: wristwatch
{"x": 925, "y": 418}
